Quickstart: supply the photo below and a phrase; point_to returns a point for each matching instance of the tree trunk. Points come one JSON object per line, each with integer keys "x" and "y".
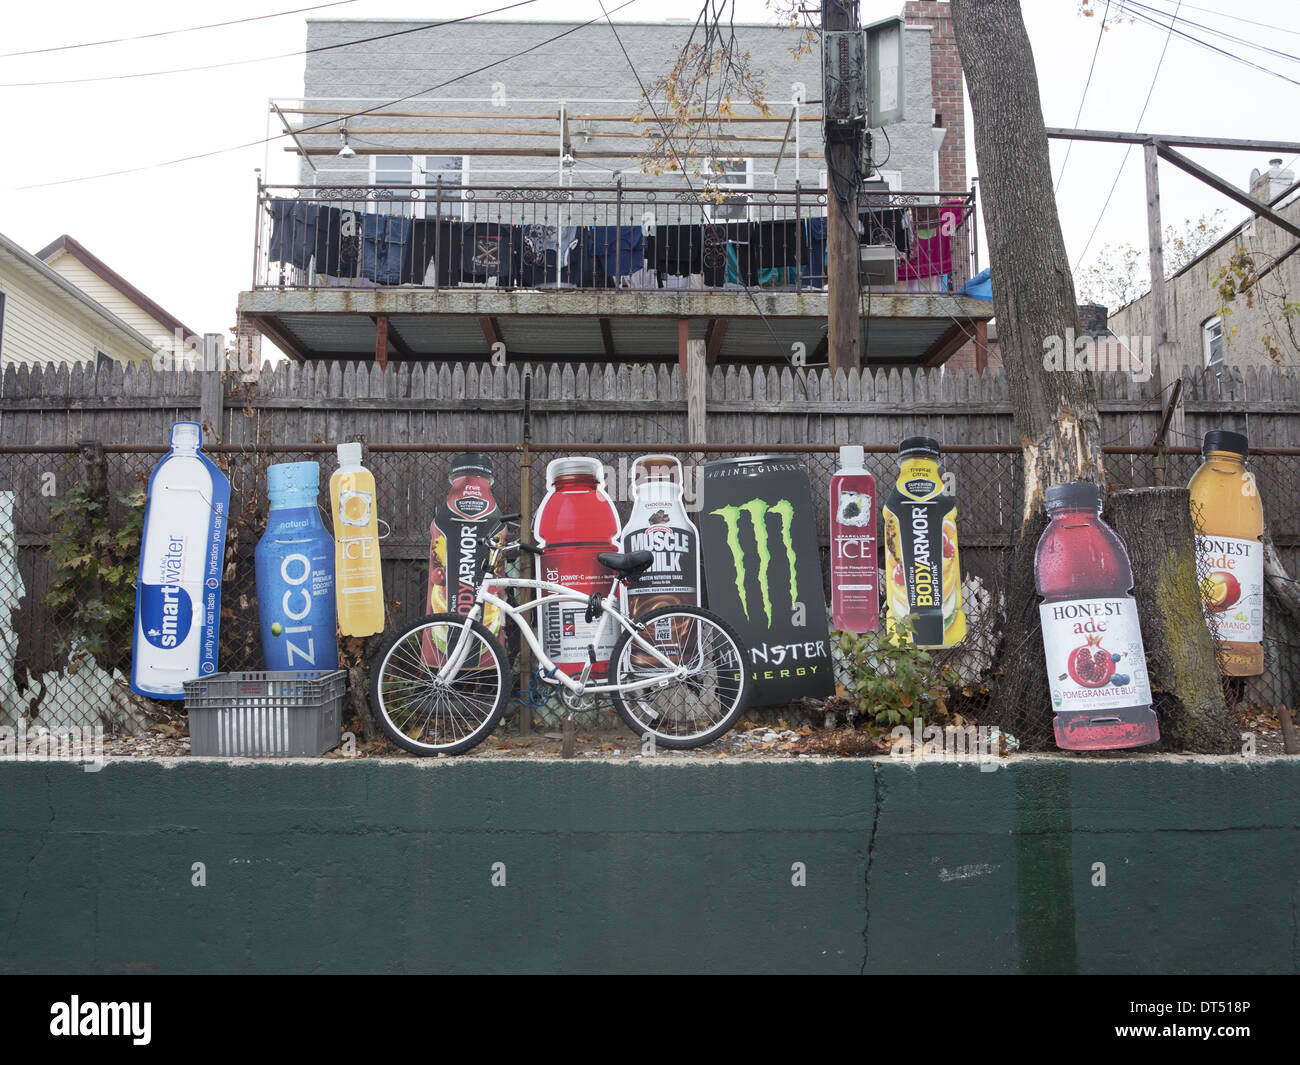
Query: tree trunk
{"x": 1156, "y": 525}
{"x": 1055, "y": 406}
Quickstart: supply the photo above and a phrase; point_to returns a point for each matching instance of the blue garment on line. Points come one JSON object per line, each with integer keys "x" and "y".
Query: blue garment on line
{"x": 293, "y": 232}
{"x": 618, "y": 250}
{"x": 383, "y": 246}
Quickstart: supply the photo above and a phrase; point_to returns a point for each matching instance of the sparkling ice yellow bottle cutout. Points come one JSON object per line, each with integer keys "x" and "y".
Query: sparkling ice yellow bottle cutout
{"x": 358, "y": 579}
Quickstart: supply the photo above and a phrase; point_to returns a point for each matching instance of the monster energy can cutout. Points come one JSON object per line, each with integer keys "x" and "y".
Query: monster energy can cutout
{"x": 763, "y": 572}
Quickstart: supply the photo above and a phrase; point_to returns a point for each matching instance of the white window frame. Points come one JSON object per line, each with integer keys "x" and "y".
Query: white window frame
{"x": 721, "y": 212}
{"x": 1213, "y": 323}
{"x": 417, "y": 166}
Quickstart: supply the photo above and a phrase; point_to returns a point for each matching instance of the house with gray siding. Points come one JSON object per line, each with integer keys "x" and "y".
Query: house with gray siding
{"x": 513, "y": 213}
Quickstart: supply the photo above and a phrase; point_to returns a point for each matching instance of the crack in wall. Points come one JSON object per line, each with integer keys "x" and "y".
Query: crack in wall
{"x": 871, "y": 853}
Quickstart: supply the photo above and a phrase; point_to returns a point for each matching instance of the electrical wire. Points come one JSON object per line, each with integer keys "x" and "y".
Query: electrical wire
{"x": 173, "y": 33}
{"x": 333, "y": 119}
{"x": 668, "y": 140}
{"x": 1079, "y": 114}
{"x": 1214, "y": 31}
{"x": 261, "y": 59}
{"x": 1171, "y": 28}
{"x": 1128, "y": 148}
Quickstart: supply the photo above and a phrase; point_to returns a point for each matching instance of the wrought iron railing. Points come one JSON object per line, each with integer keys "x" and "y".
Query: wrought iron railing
{"x": 595, "y": 237}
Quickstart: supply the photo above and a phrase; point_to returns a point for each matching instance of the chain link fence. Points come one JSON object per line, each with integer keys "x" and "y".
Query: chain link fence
{"x": 70, "y": 532}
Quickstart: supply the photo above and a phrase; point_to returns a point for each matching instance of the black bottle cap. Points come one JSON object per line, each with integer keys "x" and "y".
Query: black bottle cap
{"x": 1223, "y": 440}
{"x": 1075, "y": 494}
{"x": 472, "y": 463}
{"x": 914, "y": 445}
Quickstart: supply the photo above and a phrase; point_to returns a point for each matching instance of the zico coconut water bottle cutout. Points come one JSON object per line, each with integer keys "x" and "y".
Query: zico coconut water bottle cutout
{"x": 855, "y": 582}
{"x": 575, "y": 523}
{"x": 456, "y": 553}
{"x": 1096, "y": 667}
{"x": 178, "y": 594}
{"x": 658, "y": 524}
{"x": 359, "y": 578}
{"x": 295, "y": 573}
{"x": 922, "y": 569}
{"x": 1229, "y": 516}
{"x": 763, "y": 572}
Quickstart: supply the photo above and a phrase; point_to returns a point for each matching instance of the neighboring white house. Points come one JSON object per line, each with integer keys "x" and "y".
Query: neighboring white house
{"x": 113, "y": 292}
{"x": 45, "y": 317}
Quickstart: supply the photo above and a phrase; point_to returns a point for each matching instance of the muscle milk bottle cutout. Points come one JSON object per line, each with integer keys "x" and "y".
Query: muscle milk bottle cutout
{"x": 455, "y": 553}
{"x": 576, "y": 522}
{"x": 178, "y": 590}
{"x": 357, "y": 573}
{"x": 658, "y": 524}
{"x": 1096, "y": 667}
{"x": 855, "y": 582}
{"x": 1229, "y": 518}
{"x": 295, "y": 573}
{"x": 922, "y": 568}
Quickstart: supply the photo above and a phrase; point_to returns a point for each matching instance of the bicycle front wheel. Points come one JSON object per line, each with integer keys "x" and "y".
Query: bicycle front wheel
{"x": 420, "y": 706}
{"x": 687, "y": 711}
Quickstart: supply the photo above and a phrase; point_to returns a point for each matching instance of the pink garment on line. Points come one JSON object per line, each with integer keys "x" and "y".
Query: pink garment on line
{"x": 932, "y": 246}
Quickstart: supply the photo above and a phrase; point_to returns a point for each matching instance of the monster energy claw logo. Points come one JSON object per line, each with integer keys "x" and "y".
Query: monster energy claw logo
{"x": 758, "y": 509}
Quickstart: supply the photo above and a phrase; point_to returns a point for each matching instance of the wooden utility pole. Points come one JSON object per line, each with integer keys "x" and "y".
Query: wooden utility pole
{"x": 843, "y": 152}
{"x": 1159, "y": 309}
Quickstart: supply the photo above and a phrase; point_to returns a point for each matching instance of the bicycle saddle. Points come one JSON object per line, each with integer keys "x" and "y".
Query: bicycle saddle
{"x": 631, "y": 565}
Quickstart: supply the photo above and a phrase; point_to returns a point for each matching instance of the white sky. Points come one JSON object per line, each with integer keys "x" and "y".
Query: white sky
{"x": 184, "y": 233}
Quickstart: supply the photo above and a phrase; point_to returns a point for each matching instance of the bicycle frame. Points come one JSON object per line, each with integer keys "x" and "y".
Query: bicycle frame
{"x": 556, "y": 593}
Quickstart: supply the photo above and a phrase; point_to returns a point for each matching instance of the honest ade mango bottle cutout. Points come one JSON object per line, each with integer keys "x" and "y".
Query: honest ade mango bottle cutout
{"x": 922, "y": 570}
{"x": 1229, "y": 519}
{"x": 359, "y": 581}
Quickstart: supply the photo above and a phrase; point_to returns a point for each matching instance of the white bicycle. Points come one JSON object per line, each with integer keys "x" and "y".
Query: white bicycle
{"x": 678, "y": 673}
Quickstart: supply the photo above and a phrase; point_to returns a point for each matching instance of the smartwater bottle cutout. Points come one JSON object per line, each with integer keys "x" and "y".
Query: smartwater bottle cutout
{"x": 178, "y": 593}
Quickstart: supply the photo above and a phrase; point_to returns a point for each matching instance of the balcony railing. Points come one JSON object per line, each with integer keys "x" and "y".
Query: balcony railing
{"x": 599, "y": 238}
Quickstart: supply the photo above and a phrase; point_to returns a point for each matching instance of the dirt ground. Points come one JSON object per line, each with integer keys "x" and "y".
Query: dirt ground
{"x": 601, "y": 735}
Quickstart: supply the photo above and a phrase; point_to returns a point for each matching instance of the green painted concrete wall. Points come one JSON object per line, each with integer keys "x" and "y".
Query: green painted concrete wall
{"x": 661, "y": 865}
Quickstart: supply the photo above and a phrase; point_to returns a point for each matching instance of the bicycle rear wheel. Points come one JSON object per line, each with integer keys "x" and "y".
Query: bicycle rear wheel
{"x": 692, "y": 710}
{"x": 419, "y": 709}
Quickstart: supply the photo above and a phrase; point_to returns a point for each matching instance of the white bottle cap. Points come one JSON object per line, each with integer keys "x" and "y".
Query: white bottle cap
{"x": 187, "y": 435}
{"x": 350, "y": 454}
{"x": 852, "y": 457}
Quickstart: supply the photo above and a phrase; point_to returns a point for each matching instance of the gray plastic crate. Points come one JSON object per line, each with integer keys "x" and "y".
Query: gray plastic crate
{"x": 289, "y": 713}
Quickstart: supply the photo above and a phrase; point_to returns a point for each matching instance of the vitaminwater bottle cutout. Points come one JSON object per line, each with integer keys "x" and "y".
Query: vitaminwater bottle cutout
{"x": 1096, "y": 667}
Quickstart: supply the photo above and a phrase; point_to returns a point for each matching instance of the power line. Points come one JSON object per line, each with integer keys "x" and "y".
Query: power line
{"x": 335, "y": 118}
{"x": 1222, "y": 34}
{"x": 1239, "y": 18}
{"x": 681, "y": 166}
{"x": 1172, "y": 28}
{"x": 1128, "y": 148}
{"x": 259, "y": 59}
{"x": 172, "y": 33}
{"x": 1079, "y": 114}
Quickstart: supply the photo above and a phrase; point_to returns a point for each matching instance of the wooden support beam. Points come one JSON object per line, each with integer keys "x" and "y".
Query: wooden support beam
{"x": 981, "y": 346}
{"x": 695, "y": 382}
{"x": 952, "y": 340}
{"x": 381, "y": 341}
{"x": 535, "y": 116}
{"x": 501, "y": 150}
{"x": 784, "y": 138}
{"x": 269, "y": 326}
{"x": 683, "y": 338}
{"x": 1231, "y": 191}
{"x": 491, "y": 332}
{"x": 395, "y": 338}
{"x": 607, "y": 337}
{"x": 713, "y": 337}
{"x": 1057, "y": 133}
{"x": 292, "y": 133}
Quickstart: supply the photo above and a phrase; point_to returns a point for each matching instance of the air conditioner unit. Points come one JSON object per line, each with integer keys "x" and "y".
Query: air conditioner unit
{"x": 877, "y": 264}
